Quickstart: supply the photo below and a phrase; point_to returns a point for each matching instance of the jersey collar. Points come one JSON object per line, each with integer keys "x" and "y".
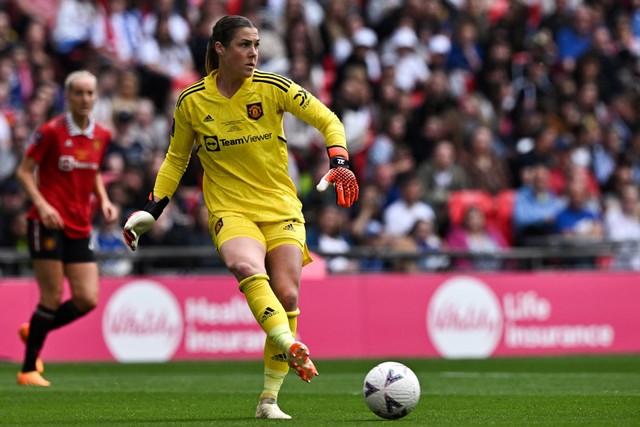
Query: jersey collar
{"x": 74, "y": 129}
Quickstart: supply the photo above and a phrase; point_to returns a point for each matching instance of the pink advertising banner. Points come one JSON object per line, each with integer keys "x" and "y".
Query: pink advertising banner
{"x": 161, "y": 318}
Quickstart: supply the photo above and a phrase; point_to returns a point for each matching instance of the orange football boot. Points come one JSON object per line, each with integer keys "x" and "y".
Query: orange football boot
{"x": 299, "y": 361}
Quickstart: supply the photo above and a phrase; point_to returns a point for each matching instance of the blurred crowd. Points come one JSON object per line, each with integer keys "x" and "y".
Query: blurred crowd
{"x": 472, "y": 125}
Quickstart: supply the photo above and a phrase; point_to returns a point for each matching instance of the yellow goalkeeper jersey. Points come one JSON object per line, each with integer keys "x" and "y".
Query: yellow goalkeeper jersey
{"x": 242, "y": 146}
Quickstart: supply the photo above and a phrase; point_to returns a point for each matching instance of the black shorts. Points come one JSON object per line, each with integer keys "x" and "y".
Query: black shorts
{"x": 45, "y": 243}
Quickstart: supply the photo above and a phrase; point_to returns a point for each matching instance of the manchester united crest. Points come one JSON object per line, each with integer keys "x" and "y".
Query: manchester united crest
{"x": 49, "y": 243}
{"x": 254, "y": 111}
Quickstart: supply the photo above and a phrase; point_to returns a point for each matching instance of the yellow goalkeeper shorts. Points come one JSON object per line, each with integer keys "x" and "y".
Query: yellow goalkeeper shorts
{"x": 270, "y": 234}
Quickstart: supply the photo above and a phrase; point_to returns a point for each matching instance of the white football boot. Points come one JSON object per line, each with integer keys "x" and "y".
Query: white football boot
{"x": 268, "y": 408}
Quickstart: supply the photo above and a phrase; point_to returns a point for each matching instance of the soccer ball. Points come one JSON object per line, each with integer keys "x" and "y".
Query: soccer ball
{"x": 391, "y": 390}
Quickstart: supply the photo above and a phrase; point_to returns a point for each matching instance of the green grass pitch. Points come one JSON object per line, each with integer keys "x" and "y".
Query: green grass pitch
{"x": 552, "y": 391}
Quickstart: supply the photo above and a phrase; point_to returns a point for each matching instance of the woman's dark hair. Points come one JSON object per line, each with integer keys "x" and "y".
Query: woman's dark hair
{"x": 224, "y": 31}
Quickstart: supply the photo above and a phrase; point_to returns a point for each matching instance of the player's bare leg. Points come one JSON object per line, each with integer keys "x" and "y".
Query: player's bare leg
{"x": 83, "y": 281}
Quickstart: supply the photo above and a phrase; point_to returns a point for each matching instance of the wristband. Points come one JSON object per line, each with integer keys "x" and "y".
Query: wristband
{"x": 155, "y": 208}
{"x": 338, "y": 157}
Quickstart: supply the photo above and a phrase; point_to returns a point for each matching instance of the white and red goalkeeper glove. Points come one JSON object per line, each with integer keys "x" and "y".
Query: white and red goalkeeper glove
{"x": 341, "y": 177}
{"x": 141, "y": 221}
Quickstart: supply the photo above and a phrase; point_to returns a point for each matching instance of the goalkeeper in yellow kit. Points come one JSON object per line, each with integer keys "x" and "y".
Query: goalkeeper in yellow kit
{"x": 234, "y": 116}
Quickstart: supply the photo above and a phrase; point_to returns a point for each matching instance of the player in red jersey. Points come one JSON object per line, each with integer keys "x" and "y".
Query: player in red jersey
{"x": 60, "y": 173}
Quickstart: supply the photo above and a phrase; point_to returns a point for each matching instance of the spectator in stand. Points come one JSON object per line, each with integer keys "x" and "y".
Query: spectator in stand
{"x": 8, "y": 36}
{"x": 378, "y": 242}
{"x": 439, "y": 47}
{"x": 385, "y": 180}
{"x": 376, "y": 11}
{"x": 369, "y": 213}
{"x": 518, "y": 21}
{"x": 628, "y": 43}
{"x": 22, "y": 73}
{"x": 591, "y": 105}
{"x": 466, "y": 56}
{"x": 566, "y": 170}
{"x": 166, "y": 65}
{"x": 117, "y": 34}
{"x": 200, "y": 236}
{"x": 363, "y": 56}
{"x": 600, "y": 65}
{"x": 538, "y": 149}
{"x": 387, "y": 95}
{"x": 71, "y": 35}
{"x": 334, "y": 31}
{"x": 25, "y": 11}
{"x": 435, "y": 117}
{"x": 207, "y": 15}
{"x": 623, "y": 116}
{"x": 633, "y": 156}
{"x": 127, "y": 143}
{"x": 169, "y": 230}
{"x": 301, "y": 35}
{"x": 402, "y": 214}
{"x": 354, "y": 107}
{"x": 440, "y": 176}
{"x": 621, "y": 177}
{"x": 574, "y": 39}
{"x": 427, "y": 16}
{"x": 178, "y": 27}
{"x": 605, "y": 153}
{"x": 476, "y": 11}
{"x": 477, "y": 237}
{"x": 476, "y": 111}
{"x": 578, "y": 221}
{"x": 534, "y": 90}
{"x": 411, "y": 71}
{"x": 389, "y": 146}
{"x": 7, "y": 110}
{"x": 535, "y": 207}
{"x": 38, "y": 49}
{"x": 8, "y": 156}
{"x": 425, "y": 235}
{"x": 36, "y": 113}
{"x": 106, "y": 237}
{"x": 560, "y": 17}
{"x": 330, "y": 236}
{"x": 149, "y": 127}
{"x": 108, "y": 84}
{"x": 12, "y": 205}
{"x": 501, "y": 64}
{"x": 622, "y": 225}
{"x": 127, "y": 94}
{"x": 484, "y": 169}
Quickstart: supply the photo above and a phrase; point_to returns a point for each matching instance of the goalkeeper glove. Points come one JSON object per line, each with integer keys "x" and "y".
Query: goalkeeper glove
{"x": 139, "y": 222}
{"x": 341, "y": 177}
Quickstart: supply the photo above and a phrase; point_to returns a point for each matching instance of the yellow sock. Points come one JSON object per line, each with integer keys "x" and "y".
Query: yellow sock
{"x": 267, "y": 310}
{"x": 275, "y": 361}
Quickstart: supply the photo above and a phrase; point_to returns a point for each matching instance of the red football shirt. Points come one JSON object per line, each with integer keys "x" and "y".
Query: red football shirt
{"x": 68, "y": 160}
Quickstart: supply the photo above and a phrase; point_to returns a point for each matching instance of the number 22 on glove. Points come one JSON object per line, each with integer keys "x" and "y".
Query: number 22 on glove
{"x": 346, "y": 185}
